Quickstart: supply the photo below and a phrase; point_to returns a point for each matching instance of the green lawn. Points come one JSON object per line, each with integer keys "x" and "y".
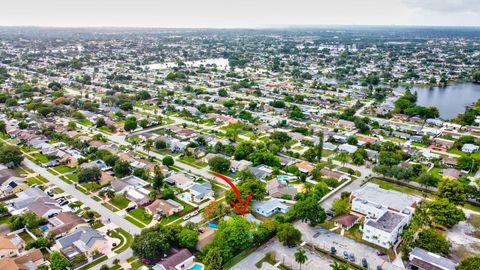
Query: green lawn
{"x": 41, "y": 158}
{"x": 26, "y": 237}
{"x": 72, "y": 177}
{"x": 119, "y": 201}
{"x": 91, "y": 186}
{"x": 134, "y": 222}
{"x": 124, "y": 245}
{"x": 141, "y": 215}
{"x": 63, "y": 169}
{"x": 33, "y": 181}
{"x": 85, "y": 122}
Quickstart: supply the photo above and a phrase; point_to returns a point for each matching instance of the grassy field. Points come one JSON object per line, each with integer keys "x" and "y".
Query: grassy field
{"x": 63, "y": 169}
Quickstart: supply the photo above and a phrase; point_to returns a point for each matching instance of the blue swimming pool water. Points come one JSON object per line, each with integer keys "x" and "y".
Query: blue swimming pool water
{"x": 211, "y": 225}
{"x": 44, "y": 228}
{"x": 196, "y": 267}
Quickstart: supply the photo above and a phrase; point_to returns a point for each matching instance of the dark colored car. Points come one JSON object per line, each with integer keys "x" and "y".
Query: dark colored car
{"x": 292, "y": 245}
{"x": 351, "y": 257}
{"x": 379, "y": 267}
{"x": 333, "y": 250}
{"x": 364, "y": 263}
{"x": 345, "y": 255}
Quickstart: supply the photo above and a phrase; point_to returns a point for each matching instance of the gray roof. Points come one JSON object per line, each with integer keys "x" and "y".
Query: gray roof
{"x": 202, "y": 189}
{"x": 387, "y": 222}
{"x": 432, "y": 258}
{"x": 26, "y": 197}
{"x": 81, "y": 236}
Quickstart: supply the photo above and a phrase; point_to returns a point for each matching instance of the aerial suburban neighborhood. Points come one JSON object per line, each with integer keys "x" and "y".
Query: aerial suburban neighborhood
{"x": 188, "y": 149}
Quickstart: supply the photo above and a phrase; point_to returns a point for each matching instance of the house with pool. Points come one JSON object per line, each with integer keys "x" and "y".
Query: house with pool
{"x": 270, "y": 207}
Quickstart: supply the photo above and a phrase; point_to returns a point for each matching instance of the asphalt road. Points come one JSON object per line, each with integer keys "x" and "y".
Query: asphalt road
{"x": 97, "y": 207}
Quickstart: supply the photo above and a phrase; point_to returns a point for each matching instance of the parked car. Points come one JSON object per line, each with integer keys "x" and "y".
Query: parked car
{"x": 364, "y": 263}
{"x": 292, "y": 245}
{"x": 345, "y": 255}
{"x": 379, "y": 267}
{"x": 333, "y": 250}
{"x": 351, "y": 257}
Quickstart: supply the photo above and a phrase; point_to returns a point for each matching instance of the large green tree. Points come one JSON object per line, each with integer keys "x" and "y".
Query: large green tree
{"x": 58, "y": 261}
{"x": 433, "y": 241}
{"x": 92, "y": 174}
{"x": 288, "y": 234}
{"x": 309, "y": 210}
{"x": 219, "y": 164}
{"x": 10, "y": 154}
{"x": 444, "y": 212}
{"x": 472, "y": 263}
{"x": 452, "y": 190}
{"x": 151, "y": 243}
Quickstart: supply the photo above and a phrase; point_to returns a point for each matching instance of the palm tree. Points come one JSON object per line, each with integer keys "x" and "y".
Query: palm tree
{"x": 336, "y": 266}
{"x": 300, "y": 257}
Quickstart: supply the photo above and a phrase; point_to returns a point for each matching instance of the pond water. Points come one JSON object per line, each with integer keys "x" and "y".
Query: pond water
{"x": 450, "y": 100}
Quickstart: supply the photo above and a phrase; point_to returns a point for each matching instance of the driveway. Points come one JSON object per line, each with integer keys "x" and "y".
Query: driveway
{"x": 325, "y": 239}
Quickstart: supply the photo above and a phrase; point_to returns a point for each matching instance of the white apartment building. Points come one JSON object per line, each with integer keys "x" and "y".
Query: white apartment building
{"x": 386, "y": 213}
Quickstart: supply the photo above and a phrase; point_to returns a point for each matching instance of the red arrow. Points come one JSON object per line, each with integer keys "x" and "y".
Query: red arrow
{"x": 234, "y": 188}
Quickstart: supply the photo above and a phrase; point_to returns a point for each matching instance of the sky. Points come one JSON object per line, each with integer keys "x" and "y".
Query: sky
{"x": 238, "y": 13}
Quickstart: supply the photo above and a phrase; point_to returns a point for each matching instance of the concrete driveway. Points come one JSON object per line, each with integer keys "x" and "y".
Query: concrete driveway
{"x": 325, "y": 239}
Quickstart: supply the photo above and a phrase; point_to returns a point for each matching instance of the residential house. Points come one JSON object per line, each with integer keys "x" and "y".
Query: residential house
{"x": 83, "y": 239}
{"x": 161, "y": 207}
{"x": 10, "y": 245}
{"x": 179, "y": 180}
{"x": 134, "y": 188}
{"x": 346, "y": 221}
{"x": 44, "y": 207}
{"x": 25, "y": 198}
{"x": 451, "y": 173}
{"x": 277, "y": 188}
{"x": 200, "y": 192}
{"x": 240, "y": 165}
{"x": 64, "y": 223}
{"x": 470, "y": 148}
{"x": 420, "y": 259}
{"x": 178, "y": 260}
{"x": 29, "y": 260}
{"x": 347, "y": 148}
{"x": 305, "y": 166}
{"x": 261, "y": 172}
{"x": 270, "y": 207}
{"x": 443, "y": 143}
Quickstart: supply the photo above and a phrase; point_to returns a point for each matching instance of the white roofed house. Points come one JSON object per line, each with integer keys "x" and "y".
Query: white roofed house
{"x": 270, "y": 207}
{"x": 347, "y": 148}
{"x": 386, "y": 213}
{"x": 470, "y": 148}
{"x": 240, "y": 165}
{"x": 134, "y": 188}
{"x": 179, "y": 180}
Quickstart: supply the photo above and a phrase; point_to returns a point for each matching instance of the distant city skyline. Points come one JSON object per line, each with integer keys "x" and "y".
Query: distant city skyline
{"x": 239, "y": 14}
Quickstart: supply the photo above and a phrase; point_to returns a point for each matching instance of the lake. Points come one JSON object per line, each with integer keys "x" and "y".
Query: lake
{"x": 450, "y": 100}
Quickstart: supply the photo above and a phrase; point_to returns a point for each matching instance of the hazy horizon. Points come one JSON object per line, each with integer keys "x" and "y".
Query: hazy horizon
{"x": 250, "y": 14}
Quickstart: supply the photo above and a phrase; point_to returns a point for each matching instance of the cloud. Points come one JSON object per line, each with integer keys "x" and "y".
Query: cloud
{"x": 445, "y": 6}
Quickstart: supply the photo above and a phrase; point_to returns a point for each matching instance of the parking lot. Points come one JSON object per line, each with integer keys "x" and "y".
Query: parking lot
{"x": 325, "y": 239}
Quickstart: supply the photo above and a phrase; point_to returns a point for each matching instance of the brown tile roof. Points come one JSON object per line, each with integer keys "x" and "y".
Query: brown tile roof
{"x": 5, "y": 243}
{"x": 424, "y": 265}
{"x": 32, "y": 256}
{"x": 346, "y": 220}
{"x": 8, "y": 264}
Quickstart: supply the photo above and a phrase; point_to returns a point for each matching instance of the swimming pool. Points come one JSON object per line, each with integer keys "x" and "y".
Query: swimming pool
{"x": 44, "y": 228}
{"x": 196, "y": 267}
